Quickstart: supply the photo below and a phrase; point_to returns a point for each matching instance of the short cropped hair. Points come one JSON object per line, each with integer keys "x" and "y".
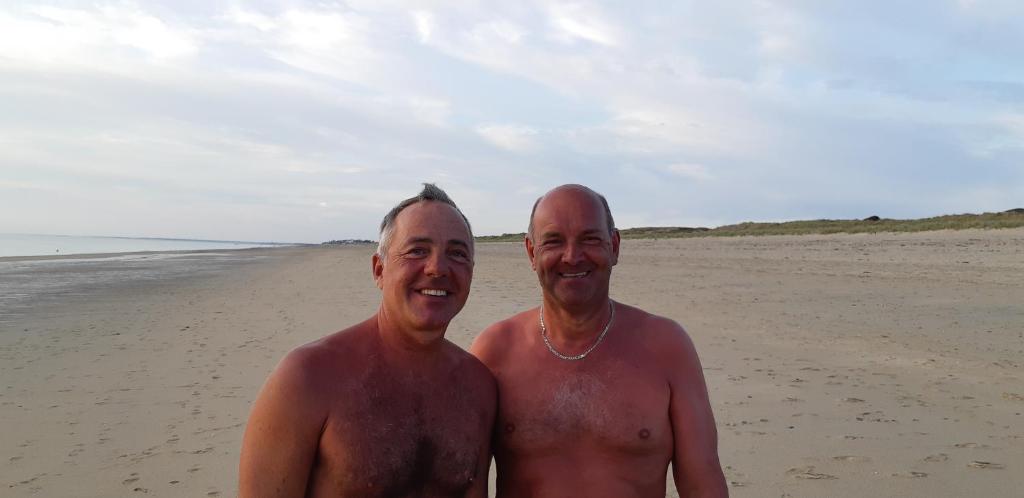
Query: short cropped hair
{"x": 604, "y": 203}
{"x": 430, "y": 192}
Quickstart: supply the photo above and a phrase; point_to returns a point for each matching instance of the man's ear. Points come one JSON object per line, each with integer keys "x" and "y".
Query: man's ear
{"x": 615, "y": 247}
{"x": 529, "y": 252}
{"x": 378, "y": 270}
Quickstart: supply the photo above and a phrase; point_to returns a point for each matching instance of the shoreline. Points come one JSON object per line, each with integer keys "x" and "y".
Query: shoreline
{"x": 35, "y": 282}
{"x": 108, "y": 255}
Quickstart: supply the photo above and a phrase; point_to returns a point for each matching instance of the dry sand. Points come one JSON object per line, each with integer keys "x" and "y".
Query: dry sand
{"x": 842, "y": 365}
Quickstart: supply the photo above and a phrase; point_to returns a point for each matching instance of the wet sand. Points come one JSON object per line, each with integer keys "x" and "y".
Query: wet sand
{"x": 841, "y": 365}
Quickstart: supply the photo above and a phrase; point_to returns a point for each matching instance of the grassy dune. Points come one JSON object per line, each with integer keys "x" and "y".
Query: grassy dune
{"x": 1006, "y": 219}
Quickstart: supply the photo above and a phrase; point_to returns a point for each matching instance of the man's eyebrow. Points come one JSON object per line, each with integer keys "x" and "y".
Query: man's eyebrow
{"x": 546, "y": 235}
{"x": 458, "y": 242}
{"x": 418, "y": 240}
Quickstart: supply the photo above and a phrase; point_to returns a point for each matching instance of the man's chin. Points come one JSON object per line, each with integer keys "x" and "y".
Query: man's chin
{"x": 574, "y": 299}
{"x": 434, "y": 321}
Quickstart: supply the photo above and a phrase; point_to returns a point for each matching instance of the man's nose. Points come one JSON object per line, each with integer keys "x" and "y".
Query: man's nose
{"x": 573, "y": 254}
{"x": 436, "y": 265}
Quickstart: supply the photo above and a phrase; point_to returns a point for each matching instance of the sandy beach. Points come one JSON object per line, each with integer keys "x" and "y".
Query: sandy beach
{"x": 838, "y": 366}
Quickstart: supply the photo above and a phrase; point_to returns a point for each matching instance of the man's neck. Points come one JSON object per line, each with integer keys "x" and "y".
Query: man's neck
{"x": 408, "y": 344}
{"x": 576, "y": 324}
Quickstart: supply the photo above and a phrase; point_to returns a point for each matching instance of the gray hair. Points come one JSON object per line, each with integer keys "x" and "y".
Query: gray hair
{"x": 604, "y": 203}
{"x": 430, "y": 192}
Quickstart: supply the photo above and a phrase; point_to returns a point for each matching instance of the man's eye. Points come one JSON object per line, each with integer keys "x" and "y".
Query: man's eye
{"x": 460, "y": 255}
{"x": 417, "y": 251}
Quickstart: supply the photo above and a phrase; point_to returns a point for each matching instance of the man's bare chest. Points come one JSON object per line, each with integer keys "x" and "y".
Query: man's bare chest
{"x": 393, "y": 441}
{"x": 615, "y": 410}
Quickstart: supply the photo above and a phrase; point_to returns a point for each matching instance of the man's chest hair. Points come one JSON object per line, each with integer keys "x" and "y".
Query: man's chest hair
{"x": 407, "y": 447}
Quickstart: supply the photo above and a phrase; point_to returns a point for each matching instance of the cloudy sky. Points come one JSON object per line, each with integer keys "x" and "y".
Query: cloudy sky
{"x": 293, "y": 121}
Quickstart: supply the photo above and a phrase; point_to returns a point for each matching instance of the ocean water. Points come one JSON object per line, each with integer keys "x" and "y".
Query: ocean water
{"x": 29, "y": 283}
{"x": 62, "y": 245}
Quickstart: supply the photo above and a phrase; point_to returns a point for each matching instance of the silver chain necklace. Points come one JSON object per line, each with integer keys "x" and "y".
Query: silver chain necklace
{"x": 547, "y": 342}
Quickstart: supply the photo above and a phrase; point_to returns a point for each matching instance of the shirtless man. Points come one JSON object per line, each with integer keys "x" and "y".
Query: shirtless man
{"x": 387, "y": 407}
{"x": 596, "y": 398}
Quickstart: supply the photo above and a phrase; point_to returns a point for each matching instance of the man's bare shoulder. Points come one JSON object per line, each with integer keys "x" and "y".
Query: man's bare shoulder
{"x": 500, "y": 338}
{"x": 470, "y": 369}
{"x": 330, "y": 357}
{"x": 660, "y": 335}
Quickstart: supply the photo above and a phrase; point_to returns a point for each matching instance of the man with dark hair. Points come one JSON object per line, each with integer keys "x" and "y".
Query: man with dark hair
{"x": 596, "y": 398}
{"x": 387, "y": 407}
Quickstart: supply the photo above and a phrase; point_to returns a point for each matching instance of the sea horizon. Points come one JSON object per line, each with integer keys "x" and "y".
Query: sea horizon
{"x": 28, "y": 244}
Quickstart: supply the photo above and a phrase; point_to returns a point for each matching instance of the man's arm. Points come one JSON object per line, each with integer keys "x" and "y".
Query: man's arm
{"x": 485, "y": 348}
{"x": 283, "y": 433}
{"x": 479, "y": 488}
{"x": 695, "y": 466}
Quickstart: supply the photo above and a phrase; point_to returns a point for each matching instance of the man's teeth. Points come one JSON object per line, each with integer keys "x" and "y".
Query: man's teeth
{"x": 434, "y": 292}
{"x": 574, "y": 275}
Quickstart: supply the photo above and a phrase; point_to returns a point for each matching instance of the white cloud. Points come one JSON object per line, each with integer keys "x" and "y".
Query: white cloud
{"x": 54, "y": 36}
{"x": 424, "y": 22}
{"x": 514, "y": 138}
{"x": 692, "y": 171}
{"x": 1005, "y": 133}
{"x": 319, "y": 31}
{"x": 251, "y": 19}
{"x": 576, "y": 22}
{"x": 501, "y": 31}
{"x": 429, "y": 110}
{"x": 154, "y": 37}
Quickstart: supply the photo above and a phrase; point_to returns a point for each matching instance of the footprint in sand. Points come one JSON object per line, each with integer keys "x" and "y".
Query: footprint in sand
{"x": 970, "y": 445}
{"x": 910, "y": 475}
{"x": 977, "y": 464}
{"x": 938, "y": 457}
{"x": 852, "y": 458}
{"x": 808, "y": 473}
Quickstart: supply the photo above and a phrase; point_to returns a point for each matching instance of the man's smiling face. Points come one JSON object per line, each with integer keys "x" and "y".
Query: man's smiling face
{"x": 426, "y": 274}
{"x": 571, "y": 248}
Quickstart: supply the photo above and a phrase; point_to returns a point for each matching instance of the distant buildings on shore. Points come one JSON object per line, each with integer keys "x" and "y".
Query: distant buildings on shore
{"x": 348, "y": 242}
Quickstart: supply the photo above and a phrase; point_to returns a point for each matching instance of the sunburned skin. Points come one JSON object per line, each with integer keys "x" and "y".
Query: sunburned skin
{"x": 582, "y": 412}
{"x": 393, "y": 443}
{"x": 393, "y": 432}
{"x": 597, "y": 427}
{"x": 388, "y": 407}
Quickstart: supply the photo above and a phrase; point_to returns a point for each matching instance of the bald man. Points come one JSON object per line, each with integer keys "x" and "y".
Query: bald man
{"x": 596, "y": 398}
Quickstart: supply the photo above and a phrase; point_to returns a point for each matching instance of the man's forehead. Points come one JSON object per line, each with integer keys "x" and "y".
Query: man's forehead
{"x": 425, "y": 237}
{"x": 431, "y": 220}
{"x": 581, "y": 206}
{"x": 429, "y": 209}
